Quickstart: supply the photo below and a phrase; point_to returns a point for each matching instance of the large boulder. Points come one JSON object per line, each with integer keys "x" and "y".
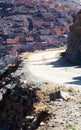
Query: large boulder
{"x": 73, "y": 52}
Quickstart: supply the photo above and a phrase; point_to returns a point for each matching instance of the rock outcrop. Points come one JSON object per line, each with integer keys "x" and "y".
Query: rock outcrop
{"x": 73, "y": 52}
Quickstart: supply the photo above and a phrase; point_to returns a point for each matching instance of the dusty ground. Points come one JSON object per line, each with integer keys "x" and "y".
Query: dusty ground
{"x": 45, "y": 67}
{"x": 64, "y": 115}
{"x": 51, "y": 67}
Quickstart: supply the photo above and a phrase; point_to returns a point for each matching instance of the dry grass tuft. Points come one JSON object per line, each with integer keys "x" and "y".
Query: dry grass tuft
{"x": 40, "y": 107}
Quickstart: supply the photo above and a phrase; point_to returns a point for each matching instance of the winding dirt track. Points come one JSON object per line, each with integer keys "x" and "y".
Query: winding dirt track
{"x": 51, "y": 67}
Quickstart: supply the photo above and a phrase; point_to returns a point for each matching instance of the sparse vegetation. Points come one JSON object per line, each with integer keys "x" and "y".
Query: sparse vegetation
{"x": 72, "y": 90}
{"x": 70, "y": 127}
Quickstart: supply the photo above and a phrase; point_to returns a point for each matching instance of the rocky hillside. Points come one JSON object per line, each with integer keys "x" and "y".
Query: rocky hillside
{"x": 73, "y": 52}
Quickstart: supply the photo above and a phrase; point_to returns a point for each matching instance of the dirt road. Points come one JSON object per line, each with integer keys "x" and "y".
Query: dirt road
{"x": 51, "y": 67}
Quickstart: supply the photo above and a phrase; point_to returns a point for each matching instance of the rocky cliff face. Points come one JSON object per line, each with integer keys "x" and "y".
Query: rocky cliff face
{"x": 73, "y": 52}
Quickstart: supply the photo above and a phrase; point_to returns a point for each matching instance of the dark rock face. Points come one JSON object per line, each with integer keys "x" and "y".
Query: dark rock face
{"x": 16, "y": 102}
{"x": 73, "y": 52}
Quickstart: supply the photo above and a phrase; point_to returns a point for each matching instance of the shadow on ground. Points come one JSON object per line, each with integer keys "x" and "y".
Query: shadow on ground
{"x": 76, "y": 81}
{"x": 62, "y": 62}
{"x": 54, "y": 96}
